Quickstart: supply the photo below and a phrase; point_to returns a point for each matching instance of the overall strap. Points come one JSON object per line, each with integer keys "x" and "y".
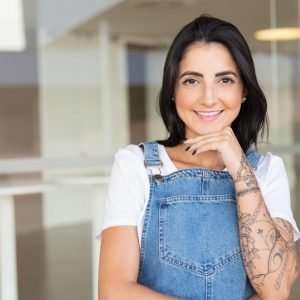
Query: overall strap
{"x": 253, "y": 157}
{"x": 151, "y": 154}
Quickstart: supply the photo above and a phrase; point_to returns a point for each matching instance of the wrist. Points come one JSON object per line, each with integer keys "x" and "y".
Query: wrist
{"x": 243, "y": 171}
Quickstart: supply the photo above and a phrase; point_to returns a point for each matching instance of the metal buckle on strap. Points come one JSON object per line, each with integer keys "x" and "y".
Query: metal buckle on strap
{"x": 154, "y": 167}
{"x": 154, "y": 164}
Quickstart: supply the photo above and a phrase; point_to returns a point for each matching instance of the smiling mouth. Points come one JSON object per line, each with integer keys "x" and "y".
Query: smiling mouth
{"x": 208, "y": 113}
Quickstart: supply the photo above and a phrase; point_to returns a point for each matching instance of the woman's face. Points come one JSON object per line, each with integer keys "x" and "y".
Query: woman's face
{"x": 209, "y": 89}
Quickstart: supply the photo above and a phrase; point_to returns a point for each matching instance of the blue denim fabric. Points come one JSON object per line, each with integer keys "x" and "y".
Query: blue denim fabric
{"x": 190, "y": 245}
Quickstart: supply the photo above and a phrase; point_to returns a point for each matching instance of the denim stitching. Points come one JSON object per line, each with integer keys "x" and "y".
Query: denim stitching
{"x": 209, "y": 290}
{"x": 145, "y": 227}
{"x": 183, "y": 262}
{"x": 153, "y": 209}
{"x": 197, "y": 198}
{"x": 198, "y": 270}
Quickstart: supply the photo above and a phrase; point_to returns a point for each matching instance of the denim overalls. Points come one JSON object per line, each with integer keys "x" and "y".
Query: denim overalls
{"x": 190, "y": 245}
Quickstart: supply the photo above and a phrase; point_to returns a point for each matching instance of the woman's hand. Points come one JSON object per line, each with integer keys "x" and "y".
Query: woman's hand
{"x": 224, "y": 142}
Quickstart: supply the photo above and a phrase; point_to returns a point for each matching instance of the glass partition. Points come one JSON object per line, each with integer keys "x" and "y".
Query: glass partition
{"x": 84, "y": 84}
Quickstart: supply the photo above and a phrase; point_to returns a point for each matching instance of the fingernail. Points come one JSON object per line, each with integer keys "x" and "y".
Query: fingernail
{"x": 188, "y": 148}
{"x": 194, "y": 152}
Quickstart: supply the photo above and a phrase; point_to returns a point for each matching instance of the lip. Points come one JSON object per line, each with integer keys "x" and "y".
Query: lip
{"x": 208, "y": 115}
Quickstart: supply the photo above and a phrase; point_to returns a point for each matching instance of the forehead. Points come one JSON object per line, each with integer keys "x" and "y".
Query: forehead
{"x": 211, "y": 54}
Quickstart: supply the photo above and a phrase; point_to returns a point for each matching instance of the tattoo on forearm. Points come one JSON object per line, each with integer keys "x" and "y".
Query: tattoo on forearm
{"x": 245, "y": 173}
{"x": 267, "y": 248}
{"x": 248, "y": 191}
{"x": 247, "y": 242}
{"x": 241, "y": 169}
{"x": 282, "y": 272}
{"x": 285, "y": 230}
{"x": 273, "y": 246}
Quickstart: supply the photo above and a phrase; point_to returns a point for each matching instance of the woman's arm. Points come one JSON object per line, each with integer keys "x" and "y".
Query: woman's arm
{"x": 267, "y": 244}
{"x": 255, "y": 297}
{"x": 119, "y": 263}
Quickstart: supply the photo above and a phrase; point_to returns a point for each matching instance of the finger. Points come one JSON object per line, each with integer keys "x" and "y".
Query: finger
{"x": 208, "y": 139}
{"x": 211, "y": 145}
{"x": 227, "y": 131}
{"x": 199, "y": 138}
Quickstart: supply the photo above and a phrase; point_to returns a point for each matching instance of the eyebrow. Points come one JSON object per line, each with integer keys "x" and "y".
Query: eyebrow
{"x": 226, "y": 73}
{"x": 193, "y": 73}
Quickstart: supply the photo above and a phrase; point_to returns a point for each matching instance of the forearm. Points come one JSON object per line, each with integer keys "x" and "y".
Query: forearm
{"x": 131, "y": 291}
{"x": 268, "y": 251}
{"x": 255, "y": 297}
{"x": 138, "y": 291}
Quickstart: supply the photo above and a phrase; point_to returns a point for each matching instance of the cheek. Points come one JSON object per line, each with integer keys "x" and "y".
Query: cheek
{"x": 232, "y": 99}
{"x": 233, "y": 103}
{"x": 186, "y": 97}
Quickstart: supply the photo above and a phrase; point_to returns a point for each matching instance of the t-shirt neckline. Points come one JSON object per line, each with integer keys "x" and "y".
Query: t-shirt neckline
{"x": 170, "y": 162}
{"x": 168, "y": 159}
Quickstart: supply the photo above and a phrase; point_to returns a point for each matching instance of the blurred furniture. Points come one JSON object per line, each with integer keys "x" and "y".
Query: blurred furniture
{"x": 8, "y": 264}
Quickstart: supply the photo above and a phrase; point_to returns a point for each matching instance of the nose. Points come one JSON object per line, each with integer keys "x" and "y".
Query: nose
{"x": 208, "y": 96}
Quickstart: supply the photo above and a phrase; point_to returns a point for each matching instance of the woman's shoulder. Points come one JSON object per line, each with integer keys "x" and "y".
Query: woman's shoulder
{"x": 129, "y": 166}
{"x": 269, "y": 160}
{"x": 130, "y": 152}
{"x": 133, "y": 156}
{"x": 270, "y": 165}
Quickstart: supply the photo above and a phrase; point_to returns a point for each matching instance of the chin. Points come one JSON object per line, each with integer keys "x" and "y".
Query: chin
{"x": 208, "y": 131}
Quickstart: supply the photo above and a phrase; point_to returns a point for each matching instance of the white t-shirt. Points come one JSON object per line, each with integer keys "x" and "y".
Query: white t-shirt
{"x": 129, "y": 188}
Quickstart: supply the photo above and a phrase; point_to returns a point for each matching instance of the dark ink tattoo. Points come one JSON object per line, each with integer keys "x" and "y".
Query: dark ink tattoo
{"x": 282, "y": 271}
{"x": 243, "y": 165}
{"x": 248, "y": 191}
{"x": 267, "y": 245}
{"x": 245, "y": 173}
{"x": 260, "y": 231}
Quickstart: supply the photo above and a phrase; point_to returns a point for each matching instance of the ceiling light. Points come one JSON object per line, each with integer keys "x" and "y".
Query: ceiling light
{"x": 278, "y": 34}
{"x": 160, "y": 4}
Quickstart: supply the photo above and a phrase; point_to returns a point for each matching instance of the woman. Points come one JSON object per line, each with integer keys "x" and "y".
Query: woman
{"x": 201, "y": 215}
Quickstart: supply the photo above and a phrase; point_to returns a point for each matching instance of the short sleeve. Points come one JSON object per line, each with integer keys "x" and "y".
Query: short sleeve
{"x": 275, "y": 189}
{"x": 126, "y": 191}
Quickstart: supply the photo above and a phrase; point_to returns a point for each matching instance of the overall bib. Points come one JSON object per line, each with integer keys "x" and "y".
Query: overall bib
{"x": 190, "y": 245}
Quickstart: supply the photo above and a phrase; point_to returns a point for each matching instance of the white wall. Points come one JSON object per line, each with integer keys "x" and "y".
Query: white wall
{"x": 278, "y": 91}
{"x": 83, "y": 112}
{"x": 154, "y": 70}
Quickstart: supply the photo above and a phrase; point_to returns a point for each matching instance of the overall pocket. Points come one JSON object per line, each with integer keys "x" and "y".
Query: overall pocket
{"x": 199, "y": 233}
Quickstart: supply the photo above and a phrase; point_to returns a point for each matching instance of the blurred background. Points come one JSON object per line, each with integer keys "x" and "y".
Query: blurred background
{"x": 78, "y": 80}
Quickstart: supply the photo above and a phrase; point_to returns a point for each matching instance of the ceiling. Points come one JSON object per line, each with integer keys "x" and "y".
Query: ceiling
{"x": 158, "y": 21}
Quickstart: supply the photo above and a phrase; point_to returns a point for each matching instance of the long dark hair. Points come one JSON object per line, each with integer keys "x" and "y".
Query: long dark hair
{"x": 253, "y": 114}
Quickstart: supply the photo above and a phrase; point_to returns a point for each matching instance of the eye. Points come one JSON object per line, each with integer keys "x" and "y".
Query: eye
{"x": 226, "y": 80}
{"x": 190, "y": 81}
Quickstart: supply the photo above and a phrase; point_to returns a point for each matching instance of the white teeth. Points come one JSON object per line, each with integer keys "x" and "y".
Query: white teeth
{"x": 208, "y": 113}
